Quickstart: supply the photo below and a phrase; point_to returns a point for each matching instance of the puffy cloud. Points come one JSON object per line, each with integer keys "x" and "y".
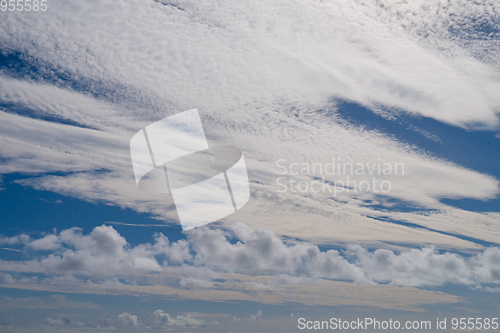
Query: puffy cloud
{"x": 252, "y": 317}
{"x": 127, "y": 319}
{"x": 105, "y": 255}
{"x": 416, "y": 267}
{"x": 103, "y": 252}
{"x": 256, "y": 317}
{"x": 259, "y": 251}
{"x": 22, "y": 239}
{"x": 7, "y": 279}
{"x": 161, "y": 318}
{"x": 488, "y": 265}
{"x": 64, "y": 321}
{"x": 49, "y": 242}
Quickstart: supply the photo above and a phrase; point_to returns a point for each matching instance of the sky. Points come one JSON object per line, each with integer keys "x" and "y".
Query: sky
{"x": 370, "y": 132}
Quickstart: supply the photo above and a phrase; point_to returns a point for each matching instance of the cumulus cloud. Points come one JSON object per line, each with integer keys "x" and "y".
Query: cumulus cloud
{"x": 104, "y": 254}
{"x": 64, "y": 321}
{"x": 127, "y": 319}
{"x": 49, "y": 242}
{"x": 256, "y": 317}
{"x": 252, "y": 317}
{"x": 416, "y": 267}
{"x": 6, "y": 279}
{"x": 259, "y": 251}
{"x": 488, "y": 265}
{"x": 163, "y": 319}
{"x": 158, "y": 320}
{"x": 14, "y": 240}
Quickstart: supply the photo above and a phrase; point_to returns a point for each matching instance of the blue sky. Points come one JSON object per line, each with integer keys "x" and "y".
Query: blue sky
{"x": 82, "y": 249}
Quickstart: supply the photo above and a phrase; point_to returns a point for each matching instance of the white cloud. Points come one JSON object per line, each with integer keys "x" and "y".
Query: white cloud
{"x": 64, "y": 321}
{"x": 159, "y": 320}
{"x": 256, "y": 317}
{"x": 46, "y": 100}
{"x": 49, "y": 242}
{"x": 163, "y": 319}
{"x": 38, "y": 146}
{"x": 261, "y": 252}
{"x": 413, "y": 268}
{"x": 127, "y": 319}
{"x": 191, "y": 283}
{"x": 266, "y": 88}
{"x": 400, "y": 55}
{"x": 6, "y": 279}
{"x": 488, "y": 265}
{"x": 105, "y": 254}
{"x": 14, "y": 240}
